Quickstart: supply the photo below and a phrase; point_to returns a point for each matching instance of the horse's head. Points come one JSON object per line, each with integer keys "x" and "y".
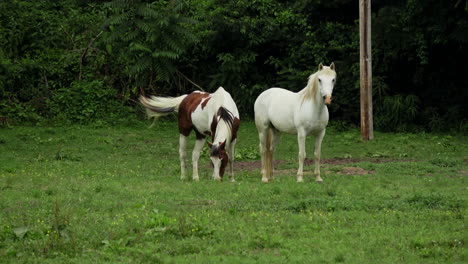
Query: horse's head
{"x": 326, "y": 78}
{"x": 219, "y": 158}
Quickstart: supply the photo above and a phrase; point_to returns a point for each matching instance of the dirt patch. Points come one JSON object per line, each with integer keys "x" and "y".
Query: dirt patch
{"x": 343, "y": 171}
{"x": 252, "y": 165}
{"x": 354, "y": 171}
{"x": 255, "y": 165}
{"x": 342, "y": 161}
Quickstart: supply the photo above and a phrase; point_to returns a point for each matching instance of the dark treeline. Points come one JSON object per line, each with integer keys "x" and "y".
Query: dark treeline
{"x": 86, "y": 60}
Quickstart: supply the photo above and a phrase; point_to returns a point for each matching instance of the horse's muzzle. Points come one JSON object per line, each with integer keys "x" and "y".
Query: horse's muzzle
{"x": 327, "y": 99}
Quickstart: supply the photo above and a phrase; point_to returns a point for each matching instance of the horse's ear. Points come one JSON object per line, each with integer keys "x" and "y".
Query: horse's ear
{"x": 320, "y": 66}
{"x": 222, "y": 145}
{"x": 332, "y": 66}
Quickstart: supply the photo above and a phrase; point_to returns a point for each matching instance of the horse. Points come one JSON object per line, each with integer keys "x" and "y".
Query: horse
{"x": 208, "y": 114}
{"x": 303, "y": 113}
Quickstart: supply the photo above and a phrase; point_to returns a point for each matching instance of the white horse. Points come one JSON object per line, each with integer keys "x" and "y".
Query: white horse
{"x": 303, "y": 113}
{"x": 214, "y": 115}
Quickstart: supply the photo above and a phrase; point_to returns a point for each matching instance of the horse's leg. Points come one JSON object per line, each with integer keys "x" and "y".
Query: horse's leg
{"x": 301, "y": 137}
{"x": 231, "y": 159}
{"x": 182, "y": 154}
{"x": 262, "y": 135}
{"x": 317, "y": 150}
{"x": 196, "y": 156}
{"x": 275, "y": 137}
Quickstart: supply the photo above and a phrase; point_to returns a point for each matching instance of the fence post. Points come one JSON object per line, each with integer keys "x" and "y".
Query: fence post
{"x": 367, "y": 126}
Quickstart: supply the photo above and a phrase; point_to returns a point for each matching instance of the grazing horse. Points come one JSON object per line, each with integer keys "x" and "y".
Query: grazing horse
{"x": 303, "y": 113}
{"x": 208, "y": 114}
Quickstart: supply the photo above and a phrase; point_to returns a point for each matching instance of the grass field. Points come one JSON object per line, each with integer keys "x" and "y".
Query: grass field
{"x": 113, "y": 195}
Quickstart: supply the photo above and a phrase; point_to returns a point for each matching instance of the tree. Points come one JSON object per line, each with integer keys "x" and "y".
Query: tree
{"x": 148, "y": 38}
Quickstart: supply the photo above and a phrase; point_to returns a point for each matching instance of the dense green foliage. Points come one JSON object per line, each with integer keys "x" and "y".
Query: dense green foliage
{"x": 79, "y": 194}
{"x": 170, "y": 47}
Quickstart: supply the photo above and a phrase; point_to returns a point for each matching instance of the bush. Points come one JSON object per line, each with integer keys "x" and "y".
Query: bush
{"x": 84, "y": 102}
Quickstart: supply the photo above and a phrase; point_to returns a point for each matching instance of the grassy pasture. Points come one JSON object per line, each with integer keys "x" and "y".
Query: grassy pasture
{"x": 113, "y": 195}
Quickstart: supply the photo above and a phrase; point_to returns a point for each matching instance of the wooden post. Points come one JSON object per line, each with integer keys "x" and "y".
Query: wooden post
{"x": 367, "y": 126}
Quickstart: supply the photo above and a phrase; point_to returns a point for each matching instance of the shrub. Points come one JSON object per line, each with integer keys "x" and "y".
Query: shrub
{"x": 84, "y": 102}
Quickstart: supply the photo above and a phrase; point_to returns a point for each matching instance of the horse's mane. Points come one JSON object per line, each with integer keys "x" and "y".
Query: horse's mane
{"x": 311, "y": 89}
{"x": 226, "y": 116}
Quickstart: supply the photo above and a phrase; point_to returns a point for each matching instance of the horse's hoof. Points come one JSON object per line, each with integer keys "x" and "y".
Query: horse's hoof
{"x": 196, "y": 179}
{"x": 264, "y": 180}
{"x": 319, "y": 181}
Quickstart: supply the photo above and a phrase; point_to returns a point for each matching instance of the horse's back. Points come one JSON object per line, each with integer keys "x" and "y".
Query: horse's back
{"x": 274, "y": 96}
{"x": 224, "y": 99}
{"x": 208, "y": 107}
{"x": 275, "y": 107}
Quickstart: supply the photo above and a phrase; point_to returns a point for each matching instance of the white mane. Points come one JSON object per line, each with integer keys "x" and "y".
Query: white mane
{"x": 310, "y": 91}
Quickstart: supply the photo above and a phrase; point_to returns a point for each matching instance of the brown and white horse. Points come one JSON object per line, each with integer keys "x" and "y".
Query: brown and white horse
{"x": 214, "y": 115}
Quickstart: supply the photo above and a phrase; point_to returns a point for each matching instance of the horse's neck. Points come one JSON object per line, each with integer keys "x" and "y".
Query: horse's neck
{"x": 223, "y": 132}
{"x": 307, "y": 95}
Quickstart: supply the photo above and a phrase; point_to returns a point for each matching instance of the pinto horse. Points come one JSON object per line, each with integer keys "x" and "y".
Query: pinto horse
{"x": 214, "y": 115}
{"x": 303, "y": 113}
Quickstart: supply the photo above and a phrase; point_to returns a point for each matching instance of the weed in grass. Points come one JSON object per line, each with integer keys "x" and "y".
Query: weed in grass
{"x": 59, "y": 236}
{"x": 251, "y": 153}
{"x": 20, "y": 232}
{"x": 340, "y": 258}
{"x": 50, "y": 131}
{"x": 159, "y": 221}
{"x": 261, "y": 240}
{"x": 331, "y": 193}
{"x": 434, "y": 201}
{"x": 10, "y": 170}
{"x": 64, "y": 156}
{"x": 444, "y": 162}
{"x": 378, "y": 154}
{"x": 435, "y": 249}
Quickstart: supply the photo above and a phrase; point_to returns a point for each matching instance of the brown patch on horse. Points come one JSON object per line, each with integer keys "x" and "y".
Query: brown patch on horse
{"x": 214, "y": 124}
{"x": 235, "y": 127}
{"x": 186, "y": 108}
{"x": 224, "y": 161}
{"x": 205, "y": 102}
{"x": 198, "y": 134}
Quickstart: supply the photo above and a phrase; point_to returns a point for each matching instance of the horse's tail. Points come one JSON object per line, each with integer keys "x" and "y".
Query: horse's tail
{"x": 158, "y": 106}
{"x": 269, "y": 155}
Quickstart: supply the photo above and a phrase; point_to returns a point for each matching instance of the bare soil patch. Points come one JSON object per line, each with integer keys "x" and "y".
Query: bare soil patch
{"x": 351, "y": 170}
{"x": 342, "y": 161}
{"x": 354, "y": 171}
{"x": 255, "y": 165}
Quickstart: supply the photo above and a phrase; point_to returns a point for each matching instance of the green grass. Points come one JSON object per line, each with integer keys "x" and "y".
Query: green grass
{"x": 113, "y": 195}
